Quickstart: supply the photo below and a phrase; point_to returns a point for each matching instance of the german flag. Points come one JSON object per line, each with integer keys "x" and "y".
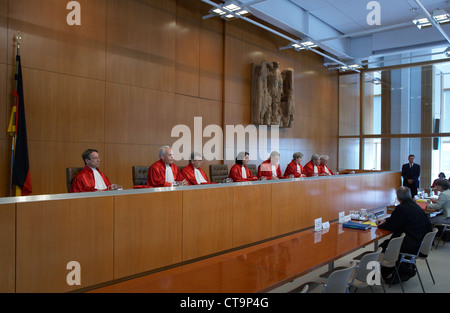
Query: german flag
{"x": 18, "y": 130}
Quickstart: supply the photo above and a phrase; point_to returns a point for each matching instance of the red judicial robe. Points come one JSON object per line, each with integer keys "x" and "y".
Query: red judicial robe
{"x": 85, "y": 182}
{"x": 322, "y": 170}
{"x": 189, "y": 173}
{"x": 309, "y": 169}
{"x": 236, "y": 173}
{"x": 291, "y": 168}
{"x": 156, "y": 176}
{"x": 265, "y": 169}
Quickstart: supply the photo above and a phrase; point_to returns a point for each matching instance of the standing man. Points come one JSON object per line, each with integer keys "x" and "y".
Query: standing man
{"x": 163, "y": 173}
{"x": 90, "y": 178}
{"x": 411, "y": 174}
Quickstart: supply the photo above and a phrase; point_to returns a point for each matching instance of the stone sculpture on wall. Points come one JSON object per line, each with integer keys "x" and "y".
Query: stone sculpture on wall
{"x": 272, "y": 95}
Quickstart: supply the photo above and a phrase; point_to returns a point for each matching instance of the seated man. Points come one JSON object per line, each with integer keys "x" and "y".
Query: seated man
{"x": 193, "y": 173}
{"x": 323, "y": 166}
{"x": 270, "y": 168}
{"x": 295, "y": 168}
{"x": 312, "y": 167}
{"x": 163, "y": 173}
{"x": 409, "y": 218}
{"x": 239, "y": 171}
{"x": 90, "y": 178}
{"x": 441, "y": 204}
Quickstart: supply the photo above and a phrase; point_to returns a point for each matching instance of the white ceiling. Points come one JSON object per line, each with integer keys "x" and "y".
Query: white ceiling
{"x": 343, "y": 23}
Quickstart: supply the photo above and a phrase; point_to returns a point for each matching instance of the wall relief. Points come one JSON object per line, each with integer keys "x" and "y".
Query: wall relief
{"x": 272, "y": 95}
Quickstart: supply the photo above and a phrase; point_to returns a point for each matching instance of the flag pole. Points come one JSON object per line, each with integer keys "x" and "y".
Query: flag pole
{"x": 18, "y": 38}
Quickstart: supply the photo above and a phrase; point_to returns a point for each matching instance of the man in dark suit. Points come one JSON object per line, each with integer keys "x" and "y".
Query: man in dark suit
{"x": 411, "y": 174}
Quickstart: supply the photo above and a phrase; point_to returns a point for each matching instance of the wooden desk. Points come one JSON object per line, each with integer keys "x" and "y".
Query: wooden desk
{"x": 117, "y": 234}
{"x": 259, "y": 268}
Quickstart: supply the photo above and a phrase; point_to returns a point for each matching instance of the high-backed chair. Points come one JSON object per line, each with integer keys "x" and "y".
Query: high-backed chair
{"x": 253, "y": 169}
{"x": 360, "y": 277}
{"x": 218, "y": 173}
{"x": 140, "y": 175}
{"x": 71, "y": 172}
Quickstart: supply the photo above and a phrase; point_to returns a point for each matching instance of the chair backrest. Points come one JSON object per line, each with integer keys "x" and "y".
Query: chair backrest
{"x": 427, "y": 242}
{"x": 218, "y": 173}
{"x": 71, "y": 172}
{"x": 140, "y": 175}
{"x": 362, "y": 271}
{"x": 338, "y": 281}
{"x": 253, "y": 169}
{"x": 393, "y": 249}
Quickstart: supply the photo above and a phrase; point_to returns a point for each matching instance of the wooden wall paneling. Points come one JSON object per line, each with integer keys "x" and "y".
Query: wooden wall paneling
{"x": 50, "y": 234}
{"x": 61, "y": 107}
{"x": 207, "y": 221}
{"x": 49, "y": 160}
{"x": 50, "y": 44}
{"x": 349, "y": 104}
{"x": 211, "y": 58}
{"x": 187, "y": 60}
{"x": 4, "y": 31}
{"x": 7, "y": 248}
{"x": 141, "y": 43}
{"x": 5, "y": 102}
{"x": 5, "y": 167}
{"x": 354, "y": 196}
{"x": 147, "y": 232}
{"x": 287, "y": 207}
{"x": 135, "y": 115}
{"x": 251, "y": 214}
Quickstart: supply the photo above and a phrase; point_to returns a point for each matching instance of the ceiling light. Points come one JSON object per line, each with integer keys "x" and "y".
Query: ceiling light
{"x": 447, "y": 52}
{"x": 228, "y": 10}
{"x": 441, "y": 16}
{"x": 421, "y": 21}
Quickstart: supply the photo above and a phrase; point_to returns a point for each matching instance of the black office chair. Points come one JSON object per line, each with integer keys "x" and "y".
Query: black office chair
{"x": 218, "y": 173}
{"x": 71, "y": 172}
{"x": 140, "y": 175}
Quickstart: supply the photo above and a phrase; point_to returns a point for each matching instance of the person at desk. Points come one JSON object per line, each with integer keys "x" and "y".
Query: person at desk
{"x": 441, "y": 204}
{"x": 409, "y": 218}
{"x": 270, "y": 167}
{"x": 411, "y": 174}
{"x": 295, "y": 168}
{"x": 90, "y": 178}
{"x": 324, "y": 170}
{"x": 193, "y": 172}
{"x": 163, "y": 173}
{"x": 441, "y": 176}
{"x": 312, "y": 167}
{"x": 239, "y": 171}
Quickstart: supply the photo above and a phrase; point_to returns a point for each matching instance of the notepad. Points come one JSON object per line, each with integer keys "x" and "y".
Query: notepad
{"x": 354, "y": 225}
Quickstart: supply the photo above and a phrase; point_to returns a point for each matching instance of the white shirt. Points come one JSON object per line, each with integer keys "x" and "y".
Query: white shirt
{"x": 326, "y": 169}
{"x": 99, "y": 183}
{"x": 169, "y": 174}
{"x": 199, "y": 177}
{"x": 244, "y": 172}
{"x": 298, "y": 169}
{"x": 316, "y": 170}
{"x": 274, "y": 171}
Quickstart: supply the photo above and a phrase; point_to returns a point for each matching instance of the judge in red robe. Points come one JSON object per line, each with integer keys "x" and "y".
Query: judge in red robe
{"x": 295, "y": 168}
{"x": 239, "y": 171}
{"x": 163, "y": 173}
{"x": 324, "y": 170}
{"x": 193, "y": 172}
{"x": 311, "y": 168}
{"x": 270, "y": 168}
{"x": 90, "y": 178}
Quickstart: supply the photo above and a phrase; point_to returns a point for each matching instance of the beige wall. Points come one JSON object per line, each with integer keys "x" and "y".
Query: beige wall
{"x": 133, "y": 70}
